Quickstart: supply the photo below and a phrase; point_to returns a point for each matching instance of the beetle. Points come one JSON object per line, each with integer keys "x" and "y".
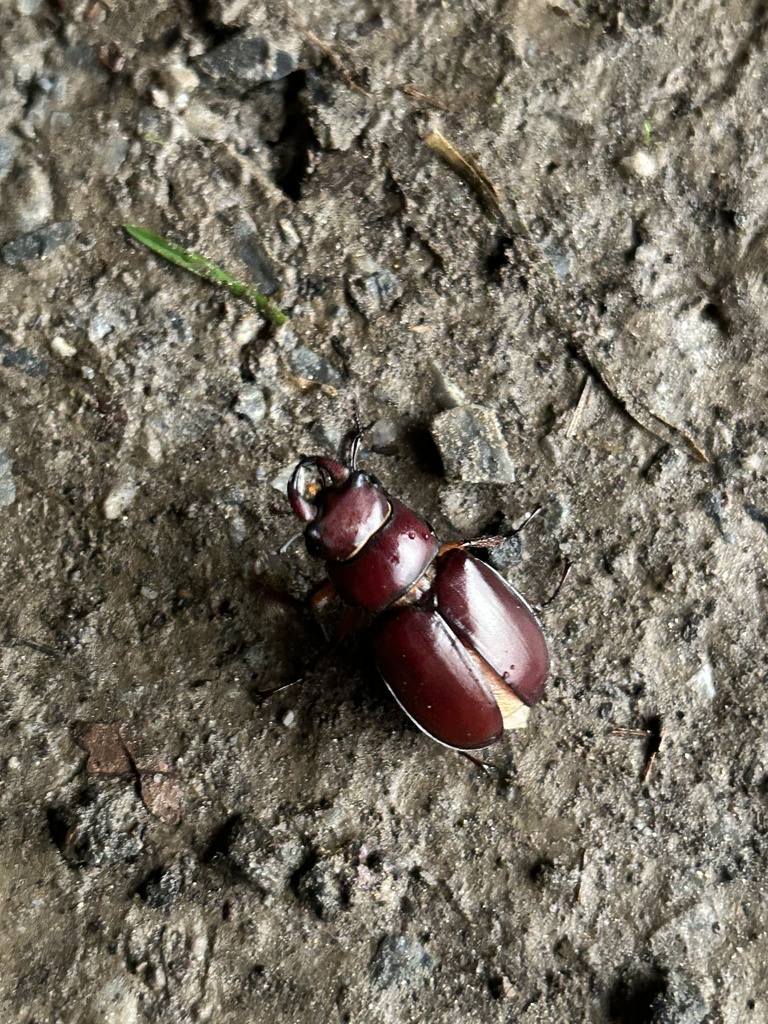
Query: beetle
{"x": 460, "y": 649}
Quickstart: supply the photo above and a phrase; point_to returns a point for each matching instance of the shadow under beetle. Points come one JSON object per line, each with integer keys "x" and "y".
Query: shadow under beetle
{"x": 462, "y": 652}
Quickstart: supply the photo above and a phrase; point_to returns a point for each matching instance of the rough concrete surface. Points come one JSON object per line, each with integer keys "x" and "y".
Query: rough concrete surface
{"x": 564, "y": 303}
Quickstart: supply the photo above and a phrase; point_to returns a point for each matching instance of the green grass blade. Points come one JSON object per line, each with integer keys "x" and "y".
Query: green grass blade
{"x": 195, "y": 263}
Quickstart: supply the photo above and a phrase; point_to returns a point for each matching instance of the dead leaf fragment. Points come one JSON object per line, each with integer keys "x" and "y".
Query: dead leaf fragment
{"x": 470, "y": 171}
{"x": 161, "y": 795}
{"x": 638, "y": 411}
{"x": 116, "y": 751}
{"x": 107, "y": 754}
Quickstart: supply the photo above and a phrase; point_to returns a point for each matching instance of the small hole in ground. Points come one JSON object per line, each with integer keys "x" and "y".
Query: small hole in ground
{"x": 636, "y": 1000}
{"x": 291, "y": 152}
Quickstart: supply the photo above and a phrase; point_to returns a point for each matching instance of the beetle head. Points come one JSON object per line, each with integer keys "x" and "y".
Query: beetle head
{"x": 342, "y": 507}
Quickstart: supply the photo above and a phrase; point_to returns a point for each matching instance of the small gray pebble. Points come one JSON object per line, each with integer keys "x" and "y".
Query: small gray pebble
{"x": 253, "y": 253}
{"x": 400, "y": 961}
{"x": 250, "y": 60}
{"x": 36, "y": 245}
{"x": 309, "y": 365}
{"x": 374, "y": 293}
{"x": 251, "y": 403}
{"x": 20, "y": 358}
{"x": 7, "y": 486}
{"x": 383, "y": 436}
{"x": 8, "y": 147}
{"x": 472, "y": 446}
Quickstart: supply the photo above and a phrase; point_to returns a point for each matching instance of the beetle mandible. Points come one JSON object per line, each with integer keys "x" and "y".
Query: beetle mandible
{"x": 462, "y": 652}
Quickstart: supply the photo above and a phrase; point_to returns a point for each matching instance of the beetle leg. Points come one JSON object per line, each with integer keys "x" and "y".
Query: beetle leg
{"x": 477, "y": 542}
{"x": 351, "y": 618}
{"x": 348, "y": 623}
{"x": 528, "y": 518}
{"x": 320, "y": 599}
{"x": 564, "y": 576}
{"x": 487, "y": 769}
{"x": 495, "y": 540}
{"x": 322, "y": 596}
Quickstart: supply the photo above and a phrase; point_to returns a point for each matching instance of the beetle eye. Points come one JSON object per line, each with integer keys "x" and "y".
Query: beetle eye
{"x": 311, "y": 482}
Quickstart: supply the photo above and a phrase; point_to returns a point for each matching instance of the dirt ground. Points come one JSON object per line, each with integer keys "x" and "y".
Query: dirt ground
{"x": 528, "y": 240}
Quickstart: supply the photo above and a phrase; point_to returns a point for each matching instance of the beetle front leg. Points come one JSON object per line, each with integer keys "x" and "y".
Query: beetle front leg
{"x": 351, "y": 618}
{"x": 321, "y": 598}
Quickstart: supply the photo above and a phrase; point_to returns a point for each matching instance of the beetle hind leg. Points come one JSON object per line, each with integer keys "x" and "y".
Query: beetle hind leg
{"x": 262, "y": 696}
{"x": 489, "y": 770}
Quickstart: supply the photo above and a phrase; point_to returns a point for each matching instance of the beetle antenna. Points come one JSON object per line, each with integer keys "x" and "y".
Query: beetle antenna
{"x": 357, "y": 441}
{"x": 360, "y": 431}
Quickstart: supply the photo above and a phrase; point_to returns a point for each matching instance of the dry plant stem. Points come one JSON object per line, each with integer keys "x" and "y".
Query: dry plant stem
{"x": 641, "y": 415}
{"x": 470, "y": 171}
{"x": 654, "y": 738}
{"x": 573, "y": 427}
{"x": 425, "y": 98}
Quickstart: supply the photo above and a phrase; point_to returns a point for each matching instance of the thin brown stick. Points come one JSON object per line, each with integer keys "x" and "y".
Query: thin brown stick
{"x": 432, "y": 101}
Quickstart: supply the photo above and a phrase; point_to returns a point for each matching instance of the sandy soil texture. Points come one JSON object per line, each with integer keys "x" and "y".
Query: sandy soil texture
{"x": 528, "y": 241}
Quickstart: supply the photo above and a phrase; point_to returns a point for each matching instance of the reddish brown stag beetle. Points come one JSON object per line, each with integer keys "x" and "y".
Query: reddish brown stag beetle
{"x": 462, "y": 652}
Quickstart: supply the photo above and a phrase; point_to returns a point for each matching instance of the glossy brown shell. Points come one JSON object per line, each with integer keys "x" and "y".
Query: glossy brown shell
{"x": 436, "y": 656}
{"x": 489, "y": 615}
{"x": 389, "y": 564}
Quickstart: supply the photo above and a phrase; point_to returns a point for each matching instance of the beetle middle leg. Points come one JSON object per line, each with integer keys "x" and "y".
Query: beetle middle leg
{"x": 323, "y": 597}
{"x": 496, "y": 540}
{"x": 563, "y": 577}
